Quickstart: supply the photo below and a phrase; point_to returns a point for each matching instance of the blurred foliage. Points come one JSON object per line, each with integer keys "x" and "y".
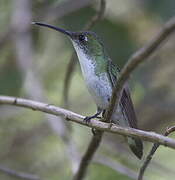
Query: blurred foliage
{"x": 161, "y": 9}
{"x": 29, "y": 144}
{"x": 104, "y": 172}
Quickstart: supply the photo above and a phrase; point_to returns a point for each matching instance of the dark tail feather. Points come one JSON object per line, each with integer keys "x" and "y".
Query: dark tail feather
{"x": 136, "y": 146}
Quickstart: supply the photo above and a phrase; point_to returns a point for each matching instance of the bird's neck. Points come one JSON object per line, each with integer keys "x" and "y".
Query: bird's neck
{"x": 91, "y": 65}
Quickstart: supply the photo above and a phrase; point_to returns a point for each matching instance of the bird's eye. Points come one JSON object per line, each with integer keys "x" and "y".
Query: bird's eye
{"x": 82, "y": 37}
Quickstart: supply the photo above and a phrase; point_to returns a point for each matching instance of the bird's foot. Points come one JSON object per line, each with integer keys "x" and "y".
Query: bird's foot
{"x": 87, "y": 119}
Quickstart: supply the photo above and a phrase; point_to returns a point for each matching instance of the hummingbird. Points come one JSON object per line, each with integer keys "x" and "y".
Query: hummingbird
{"x": 100, "y": 75}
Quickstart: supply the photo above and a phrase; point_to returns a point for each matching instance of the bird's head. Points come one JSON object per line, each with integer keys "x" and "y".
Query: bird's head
{"x": 85, "y": 41}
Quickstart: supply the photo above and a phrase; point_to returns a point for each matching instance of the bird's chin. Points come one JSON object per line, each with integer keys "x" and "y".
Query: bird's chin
{"x": 76, "y": 46}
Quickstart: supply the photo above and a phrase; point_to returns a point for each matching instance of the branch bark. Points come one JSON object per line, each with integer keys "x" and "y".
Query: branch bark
{"x": 74, "y": 117}
{"x": 151, "y": 153}
{"x": 136, "y": 59}
{"x": 92, "y": 148}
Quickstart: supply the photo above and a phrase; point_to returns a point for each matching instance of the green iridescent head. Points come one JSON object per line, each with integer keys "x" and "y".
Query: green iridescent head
{"x": 88, "y": 42}
{"x": 84, "y": 40}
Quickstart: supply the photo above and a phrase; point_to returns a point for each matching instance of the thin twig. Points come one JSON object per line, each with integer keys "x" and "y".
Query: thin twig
{"x": 136, "y": 59}
{"x": 72, "y": 62}
{"x": 97, "y": 137}
{"x": 68, "y": 77}
{"x": 97, "y": 17}
{"x": 152, "y": 152}
{"x": 95, "y": 124}
{"x": 92, "y": 148}
{"x": 18, "y": 174}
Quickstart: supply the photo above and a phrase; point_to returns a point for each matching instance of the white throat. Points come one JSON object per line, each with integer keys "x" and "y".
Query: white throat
{"x": 86, "y": 63}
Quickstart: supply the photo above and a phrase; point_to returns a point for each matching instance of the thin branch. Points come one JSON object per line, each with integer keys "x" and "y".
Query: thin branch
{"x": 92, "y": 148}
{"x": 97, "y": 17}
{"x": 95, "y": 124}
{"x": 72, "y": 62}
{"x": 151, "y": 153}
{"x": 18, "y": 174}
{"x": 68, "y": 77}
{"x": 136, "y": 59}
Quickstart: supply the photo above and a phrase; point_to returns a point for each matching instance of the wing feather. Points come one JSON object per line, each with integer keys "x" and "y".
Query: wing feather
{"x": 125, "y": 100}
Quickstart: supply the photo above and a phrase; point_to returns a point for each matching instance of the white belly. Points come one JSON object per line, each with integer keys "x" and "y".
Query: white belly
{"x": 100, "y": 89}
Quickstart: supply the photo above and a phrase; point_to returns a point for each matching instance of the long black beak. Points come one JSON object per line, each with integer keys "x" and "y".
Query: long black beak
{"x": 69, "y": 33}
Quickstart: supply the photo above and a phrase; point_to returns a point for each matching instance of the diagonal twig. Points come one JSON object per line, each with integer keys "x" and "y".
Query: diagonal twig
{"x": 97, "y": 17}
{"x": 18, "y": 174}
{"x": 68, "y": 77}
{"x": 136, "y": 59}
{"x": 152, "y": 152}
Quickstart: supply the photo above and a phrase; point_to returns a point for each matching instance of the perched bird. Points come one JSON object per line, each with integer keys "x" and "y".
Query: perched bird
{"x": 100, "y": 75}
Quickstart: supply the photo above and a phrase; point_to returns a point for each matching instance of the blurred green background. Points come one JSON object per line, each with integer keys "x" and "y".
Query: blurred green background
{"x": 33, "y": 64}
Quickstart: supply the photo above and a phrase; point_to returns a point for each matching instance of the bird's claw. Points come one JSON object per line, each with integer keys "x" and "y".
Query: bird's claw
{"x": 87, "y": 119}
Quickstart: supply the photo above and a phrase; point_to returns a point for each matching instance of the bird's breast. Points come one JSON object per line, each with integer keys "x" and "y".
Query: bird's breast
{"x": 100, "y": 89}
{"x": 99, "y": 85}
